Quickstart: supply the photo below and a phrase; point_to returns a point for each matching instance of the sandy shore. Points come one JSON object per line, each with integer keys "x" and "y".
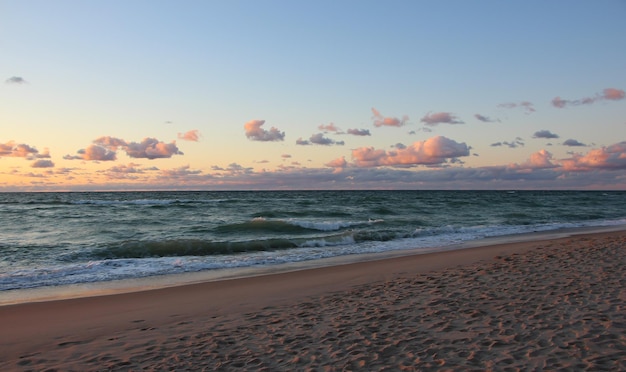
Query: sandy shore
{"x": 540, "y": 305}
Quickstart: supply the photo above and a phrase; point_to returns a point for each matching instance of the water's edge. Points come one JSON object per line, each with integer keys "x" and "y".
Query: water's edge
{"x": 112, "y": 287}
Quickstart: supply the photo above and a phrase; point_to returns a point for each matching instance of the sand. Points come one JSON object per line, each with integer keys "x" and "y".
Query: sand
{"x": 540, "y": 305}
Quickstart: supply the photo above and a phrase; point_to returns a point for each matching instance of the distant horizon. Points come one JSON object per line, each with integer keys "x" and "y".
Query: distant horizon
{"x": 350, "y": 95}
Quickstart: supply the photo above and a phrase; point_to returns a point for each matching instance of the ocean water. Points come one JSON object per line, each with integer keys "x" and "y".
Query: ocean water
{"x": 52, "y": 239}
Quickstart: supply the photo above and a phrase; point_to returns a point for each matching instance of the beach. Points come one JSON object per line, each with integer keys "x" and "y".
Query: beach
{"x": 532, "y": 305}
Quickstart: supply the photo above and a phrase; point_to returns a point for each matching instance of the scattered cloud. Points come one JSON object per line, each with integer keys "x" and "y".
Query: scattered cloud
{"x": 517, "y": 142}
{"x": 572, "y": 142}
{"x": 192, "y": 135}
{"x": 359, "y": 132}
{"x": 285, "y": 156}
{"x": 255, "y": 133}
{"x": 318, "y": 139}
{"x": 329, "y": 128}
{"x": 15, "y": 80}
{"x": 42, "y": 163}
{"x": 440, "y": 118}
{"x": 610, "y": 94}
{"x": 545, "y": 134}
{"x": 151, "y": 148}
{"x": 486, "y": 119}
{"x": 528, "y": 107}
{"x": 339, "y": 164}
{"x": 609, "y": 158}
{"x": 105, "y": 149}
{"x": 21, "y": 150}
{"x": 539, "y": 160}
{"x": 94, "y": 153}
{"x": 380, "y": 120}
{"x": 434, "y": 151}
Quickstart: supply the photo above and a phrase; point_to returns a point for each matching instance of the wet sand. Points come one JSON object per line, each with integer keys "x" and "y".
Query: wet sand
{"x": 549, "y": 304}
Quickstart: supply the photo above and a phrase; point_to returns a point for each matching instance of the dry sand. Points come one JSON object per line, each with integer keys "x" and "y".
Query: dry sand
{"x": 543, "y": 305}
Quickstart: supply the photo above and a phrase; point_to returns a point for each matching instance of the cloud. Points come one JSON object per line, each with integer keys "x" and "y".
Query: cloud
{"x": 255, "y": 133}
{"x": 610, "y": 94}
{"x": 42, "y": 164}
{"x": 359, "y": 132}
{"x": 318, "y": 139}
{"x": 527, "y": 106}
{"x": 337, "y": 163}
{"x": 608, "y": 158}
{"x": 440, "y": 118}
{"x": 302, "y": 142}
{"x": 573, "y": 142}
{"x": 192, "y": 135}
{"x": 545, "y": 134}
{"x": 21, "y": 150}
{"x": 151, "y": 148}
{"x": 105, "y": 149}
{"x": 179, "y": 173}
{"x": 93, "y": 152}
{"x": 486, "y": 119}
{"x": 434, "y": 151}
{"x": 380, "y": 120}
{"x": 613, "y": 94}
{"x": 513, "y": 144}
{"x": 15, "y": 80}
{"x": 329, "y": 128}
{"x": 539, "y": 160}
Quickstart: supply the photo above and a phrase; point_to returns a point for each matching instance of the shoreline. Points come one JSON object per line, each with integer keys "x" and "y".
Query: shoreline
{"x": 113, "y": 287}
{"x": 544, "y": 303}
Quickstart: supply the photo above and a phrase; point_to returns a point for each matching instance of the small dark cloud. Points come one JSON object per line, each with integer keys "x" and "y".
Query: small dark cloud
{"x": 359, "y": 132}
{"x": 545, "y": 134}
{"x": 573, "y": 142}
{"x": 486, "y": 119}
{"x": 319, "y": 139}
{"x": 15, "y": 80}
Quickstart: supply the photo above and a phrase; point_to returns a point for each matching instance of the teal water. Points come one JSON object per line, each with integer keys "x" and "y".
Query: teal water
{"x": 50, "y": 239}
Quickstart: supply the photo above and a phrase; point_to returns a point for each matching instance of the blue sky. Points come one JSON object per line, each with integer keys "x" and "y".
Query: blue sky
{"x": 361, "y": 94}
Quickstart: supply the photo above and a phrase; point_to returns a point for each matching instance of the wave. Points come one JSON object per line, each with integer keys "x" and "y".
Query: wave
{"x": 289, "y": 226}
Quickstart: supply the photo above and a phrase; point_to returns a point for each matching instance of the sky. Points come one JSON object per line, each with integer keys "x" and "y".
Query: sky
{"x": 354, "y": 94}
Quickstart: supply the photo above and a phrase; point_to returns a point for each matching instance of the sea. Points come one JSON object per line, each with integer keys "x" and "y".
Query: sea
{"x": 70, "y": 238}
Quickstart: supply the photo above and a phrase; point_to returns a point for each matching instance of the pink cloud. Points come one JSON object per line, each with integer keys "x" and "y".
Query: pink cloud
{"x": 610, "y": 94}
{"x": 151, "y": 148}
{"x": 436, "y": 150}
{"x": 256, "y": 133}
{"x": 380, "y": 120}
{"x": 111, "y": 143}
{"x": 105, "y": 148}
{"x": 613, "y": 94}
{"x": 610, "y": 157}
{"x": 539, "y": 160}
{"x": 440, "y": 118}
{"x": 329, "y": 128}
{"x": 22, "y": 150}
{"x": 93, "y": 152}
{"x": 192, "y": 135}
{"x": 337, "y": 163}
